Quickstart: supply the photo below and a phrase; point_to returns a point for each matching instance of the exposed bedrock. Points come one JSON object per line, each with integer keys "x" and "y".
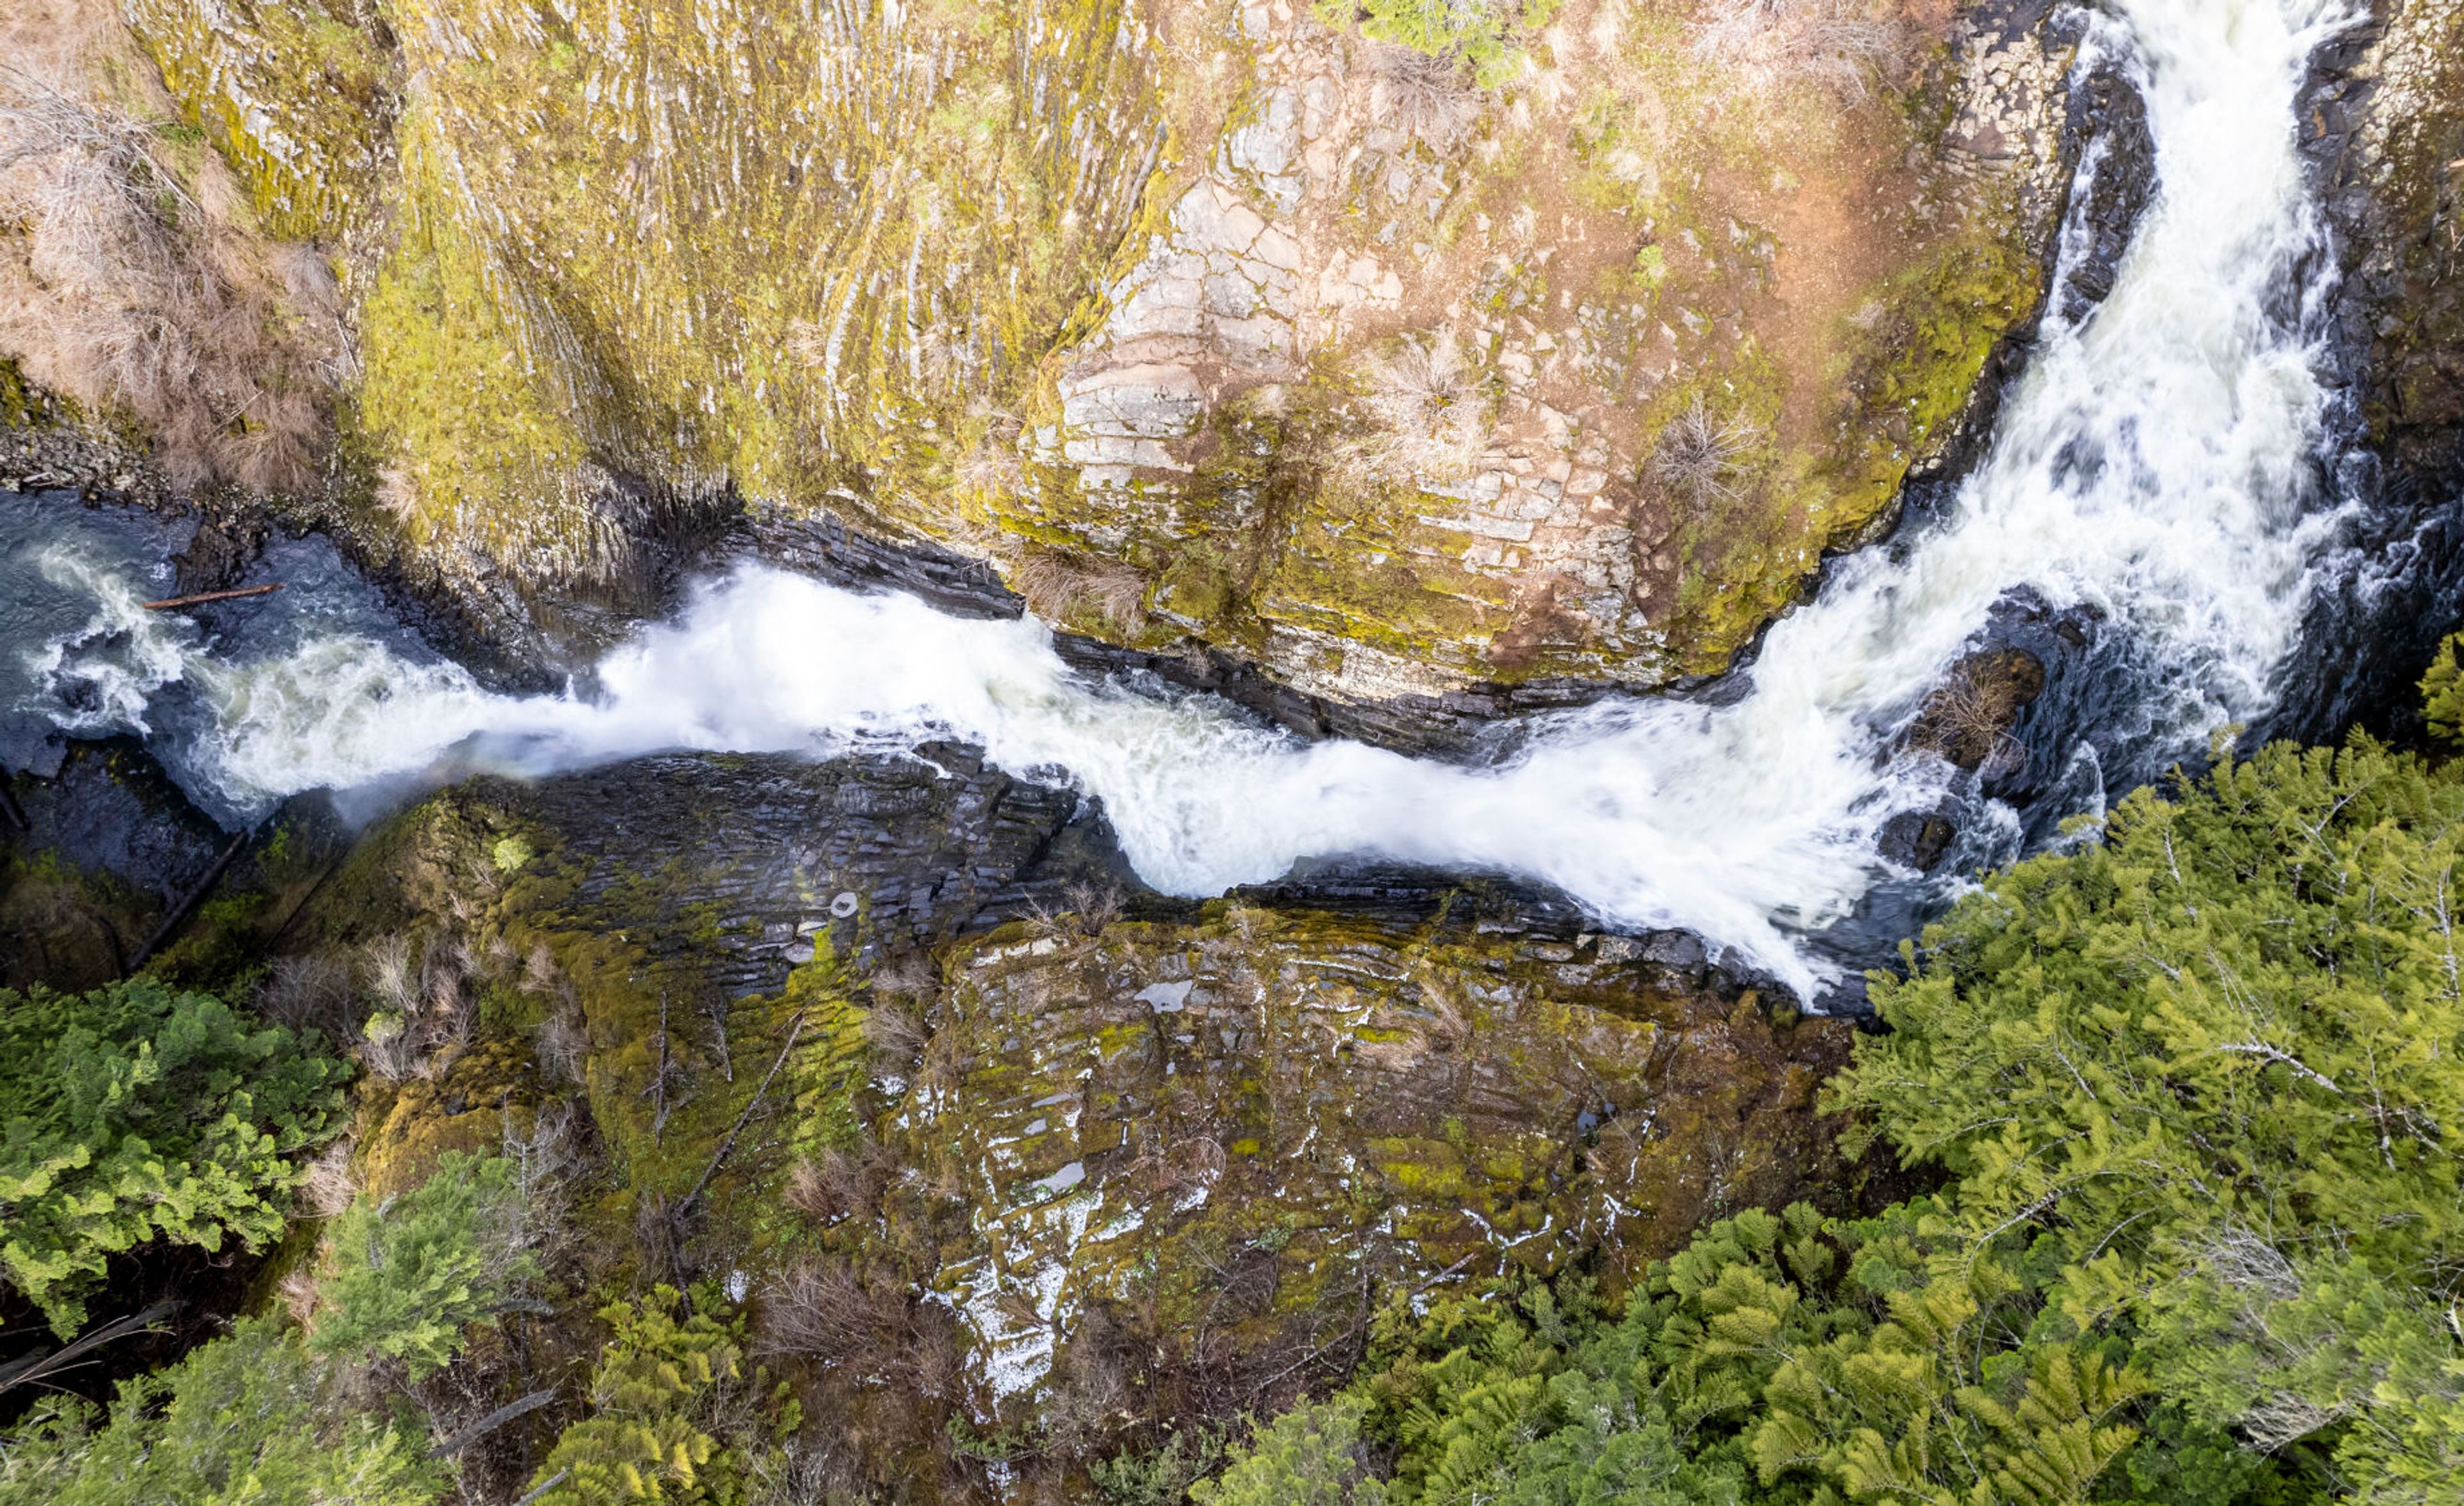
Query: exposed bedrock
{"x": 1384, "y": 391}
{"x": 1032, "y": 1124}
{"x": 2384, "y": 122}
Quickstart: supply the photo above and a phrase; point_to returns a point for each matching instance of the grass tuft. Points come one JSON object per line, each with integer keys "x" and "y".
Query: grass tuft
{"x": 137, "y": 291}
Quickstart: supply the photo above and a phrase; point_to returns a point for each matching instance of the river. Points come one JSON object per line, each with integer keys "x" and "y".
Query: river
{"x": 2157, "y": 472}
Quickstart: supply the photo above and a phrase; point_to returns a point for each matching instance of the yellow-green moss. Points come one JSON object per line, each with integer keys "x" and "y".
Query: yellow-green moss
{"x": 296, "y": 99}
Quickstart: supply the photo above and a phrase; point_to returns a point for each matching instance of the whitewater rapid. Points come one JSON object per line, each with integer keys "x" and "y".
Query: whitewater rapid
{"x": 2154, "y": 464}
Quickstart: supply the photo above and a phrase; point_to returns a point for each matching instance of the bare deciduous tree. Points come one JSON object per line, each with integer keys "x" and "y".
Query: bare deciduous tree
{"x": 1836, "y": 45}
{"x": 1428, "y": 409}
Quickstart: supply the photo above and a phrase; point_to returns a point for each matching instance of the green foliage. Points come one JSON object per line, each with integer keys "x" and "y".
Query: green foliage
{"x": 1159, "y": 1476}
{"x": 2214, "y": 1058}
{"x": 2442, "y": 692}
{"x": 673, "y": 1419}
{"x": 1309, "y": 1456}
{"x": 137, "y": 1113}
{"x": 247, "y": 1420}
{"x": 1483, "y": 33}
{"x": 2239, "y": 1009}
{"x": 1778, "y": 1358}
{"x": 410, "y": 1272}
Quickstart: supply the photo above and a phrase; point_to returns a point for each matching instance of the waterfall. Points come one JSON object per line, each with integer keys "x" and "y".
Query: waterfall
{"x": 2153, "y": 465}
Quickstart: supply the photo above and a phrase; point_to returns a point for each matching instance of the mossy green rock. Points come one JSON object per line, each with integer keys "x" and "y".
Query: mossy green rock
{"x": 1233, "y": 1137}
{"x": 891, "y": 1034}
{"x": 1215, "y": 324}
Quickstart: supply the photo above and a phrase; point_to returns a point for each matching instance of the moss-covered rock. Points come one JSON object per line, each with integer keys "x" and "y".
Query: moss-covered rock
{"x": 1237, "y": 1136}
{"x": 1302, "y": 333}
{"x": 1003, "y": 1150}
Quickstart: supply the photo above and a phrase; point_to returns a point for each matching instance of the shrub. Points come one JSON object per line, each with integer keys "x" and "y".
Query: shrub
{"x": 247, "y": 1420}
{"x": 135, "y": 1113}
{"x": 1310, "y": 1456}
{"x": 408, "y": 1273}
{"x": 673, "y": 1418}
{"x": 1837, "y": 45}
{"x": 134, "y": 291}
{"x": 1427, "y": 97}
{"x": 1057, "y": 586}
{"x": 1428, "y": 409}
{"x": 1483, "y": 33}
{"x": 1701, "y": 458}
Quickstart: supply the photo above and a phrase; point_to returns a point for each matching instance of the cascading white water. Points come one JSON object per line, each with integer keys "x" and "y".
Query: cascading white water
{"x": 2151, "y": 464}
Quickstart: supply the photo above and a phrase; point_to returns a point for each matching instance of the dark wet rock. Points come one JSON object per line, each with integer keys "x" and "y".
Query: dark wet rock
{"x": 2383, "y": 118}
{"x": 2108, "y": 117}
{"x": 1968, "y": 717}
{"x": 111, "y": 811}
{"x": 1917, "y": 839}
{"x": 822, "y": 546}
{"x": 1459, "y": 724}
{"x": 225, "y": 545}
{"x": 1406, "y": 897}
{"x": 749, "y": 862}
{"x": 112, "y": 845}
{"x": 45, "y": 447}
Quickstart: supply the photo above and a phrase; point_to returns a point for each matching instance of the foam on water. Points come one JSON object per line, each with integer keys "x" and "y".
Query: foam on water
{"x": 2154, "y": 464}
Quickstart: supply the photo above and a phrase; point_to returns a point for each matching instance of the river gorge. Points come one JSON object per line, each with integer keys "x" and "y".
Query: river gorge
{"x": 1537, "y": 821}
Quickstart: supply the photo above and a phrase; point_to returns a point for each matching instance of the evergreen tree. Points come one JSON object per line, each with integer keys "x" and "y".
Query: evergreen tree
{"x": 137, "y": 1113}
{"x": 406, "y": 1274}
{"x": 2215, "y": 1057}
{"x": 1309, "y": 1456}
{"x": 250, "y": 1419}
{"x": 673, "y": 1417}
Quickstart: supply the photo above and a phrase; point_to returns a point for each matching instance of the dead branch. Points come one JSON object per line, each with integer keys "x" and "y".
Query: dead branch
{"x": 492, "y": 1422}
{"x": 692, "y": 1199}
{"x": 203, "y": 597}
{"x": 34, "y": 1367}
{"x": 180, "y": 912}
{"x": 545, "y": 1486}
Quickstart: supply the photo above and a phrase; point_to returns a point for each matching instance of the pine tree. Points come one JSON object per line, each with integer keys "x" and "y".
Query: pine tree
{"x": 137, "y": 1113}
{"x": 2215, "y": 1057}
{"x": 250, "y": 1419}
{"x": 406, "y": 1274}
{"x": 673, "y": 1417}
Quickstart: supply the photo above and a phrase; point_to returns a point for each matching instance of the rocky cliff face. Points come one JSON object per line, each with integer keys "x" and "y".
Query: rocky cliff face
{"x": 1395, "y": 363}
{"x": 998, "y": 1141}
{"x": 2387, "y": 123}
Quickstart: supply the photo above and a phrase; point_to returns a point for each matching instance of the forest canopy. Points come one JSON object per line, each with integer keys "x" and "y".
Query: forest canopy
{"x": 2193, "y": 1090}
{"x": 139, "y": 1112}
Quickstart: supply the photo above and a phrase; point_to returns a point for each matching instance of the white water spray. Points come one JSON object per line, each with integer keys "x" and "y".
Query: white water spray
{"x": 2151, "y": 464}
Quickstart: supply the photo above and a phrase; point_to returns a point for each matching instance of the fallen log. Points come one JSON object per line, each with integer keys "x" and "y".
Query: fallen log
{"x": 492, "y": 1422}
{"x": 180, "y": 912}
{"x": 202, "y": 597}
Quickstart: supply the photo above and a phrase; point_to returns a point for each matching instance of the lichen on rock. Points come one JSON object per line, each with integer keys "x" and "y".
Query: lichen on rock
{"x": 1236, "y": 1136}
{"x": 1295, "y": 333}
